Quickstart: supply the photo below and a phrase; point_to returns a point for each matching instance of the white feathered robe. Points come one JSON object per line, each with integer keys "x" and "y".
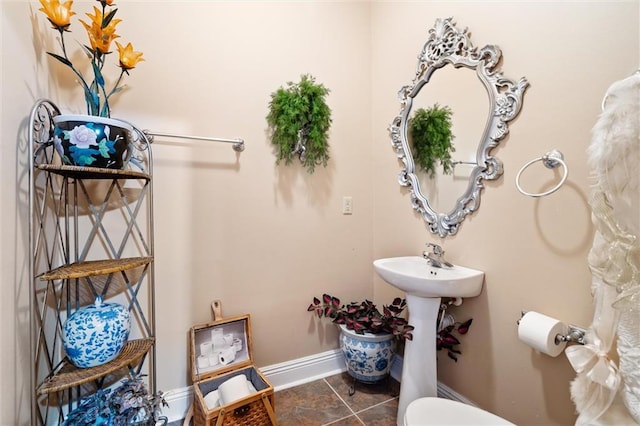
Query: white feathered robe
{"x": 604, "y": 394}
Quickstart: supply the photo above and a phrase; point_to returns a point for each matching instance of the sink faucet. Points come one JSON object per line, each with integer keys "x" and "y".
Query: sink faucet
{"x": 435, "y": 257}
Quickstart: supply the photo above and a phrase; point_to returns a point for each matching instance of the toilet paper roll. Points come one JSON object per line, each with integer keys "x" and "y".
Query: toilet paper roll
{"x": 216, "y": 333}
{"x": 228, "y": 339}
{"x": 237, "y": 344}
{"x": 227, "y": 356}
{"x": 219, "y": 344}
{"x": 203, "y": 361}
{"x": 234, "y": 389}
{"x": 214, "y": 359}
{"x": 206, "y": 348}
{"x": 539, "y": 331}
{"x": 212, "y": 400}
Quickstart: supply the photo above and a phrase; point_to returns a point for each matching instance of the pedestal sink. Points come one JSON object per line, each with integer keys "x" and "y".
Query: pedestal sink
{"x": 424, "y": 286}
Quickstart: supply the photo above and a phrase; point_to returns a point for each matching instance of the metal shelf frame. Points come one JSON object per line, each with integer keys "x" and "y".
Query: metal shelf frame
{"x": 90, "y": 234}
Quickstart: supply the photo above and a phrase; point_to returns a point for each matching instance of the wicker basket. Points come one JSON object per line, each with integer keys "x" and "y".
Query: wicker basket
{"x": 256, "y": 409}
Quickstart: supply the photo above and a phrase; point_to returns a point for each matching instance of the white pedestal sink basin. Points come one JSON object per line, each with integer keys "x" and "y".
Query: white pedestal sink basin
{"x": 424, "y": 286}
{"x": 414, "y": 275}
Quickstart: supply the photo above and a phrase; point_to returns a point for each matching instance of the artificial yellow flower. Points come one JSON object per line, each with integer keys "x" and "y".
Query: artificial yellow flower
{"x": 59, "y": 14}
{"x": 101, "y": 30}
{"x": 100, "y": 38}
{"x": 128, "y": 57}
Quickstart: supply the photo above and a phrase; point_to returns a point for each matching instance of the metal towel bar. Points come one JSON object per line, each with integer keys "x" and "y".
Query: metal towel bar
{"x": 238, "y": 144}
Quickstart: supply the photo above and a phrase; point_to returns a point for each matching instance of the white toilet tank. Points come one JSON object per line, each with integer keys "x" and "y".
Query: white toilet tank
{"x": 441, "y": 412}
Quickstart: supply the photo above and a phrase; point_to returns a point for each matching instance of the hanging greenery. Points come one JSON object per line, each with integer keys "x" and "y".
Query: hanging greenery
{"x": 431, "y": 139}
{"x": 299, "y": 120}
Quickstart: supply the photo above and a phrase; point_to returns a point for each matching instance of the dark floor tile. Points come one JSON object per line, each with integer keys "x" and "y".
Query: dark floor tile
{"x": 366, "y": 395}
{"x": 311, "y": 404}
{"x": 348, "y": 421}
{"x": 384, "y": 414}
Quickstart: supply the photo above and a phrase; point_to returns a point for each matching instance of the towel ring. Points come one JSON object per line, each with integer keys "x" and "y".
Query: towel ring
{"x": 551, "y": 160}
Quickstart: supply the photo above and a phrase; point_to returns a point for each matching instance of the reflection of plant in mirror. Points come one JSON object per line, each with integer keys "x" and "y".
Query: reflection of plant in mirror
{"x": 431, "y": 137}
{"x": 299, "y": 120}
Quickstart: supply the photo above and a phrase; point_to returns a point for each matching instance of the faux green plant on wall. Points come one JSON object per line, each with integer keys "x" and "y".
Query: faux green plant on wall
{"x": 432, "y": 139}
{"x": 299, "y": 120}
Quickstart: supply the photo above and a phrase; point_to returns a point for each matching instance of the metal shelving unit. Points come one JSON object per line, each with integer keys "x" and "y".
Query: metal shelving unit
{"x": 91, "y": 234}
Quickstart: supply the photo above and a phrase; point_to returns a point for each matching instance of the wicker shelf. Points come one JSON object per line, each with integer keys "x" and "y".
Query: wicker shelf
{"x": 92, "y": 172}
{"x": 92, "y": 268}
{"x": 69, "y": 375}
{"x": 83, "y": 222}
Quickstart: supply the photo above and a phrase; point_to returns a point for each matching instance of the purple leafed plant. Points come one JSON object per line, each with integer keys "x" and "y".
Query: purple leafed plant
{"x": 365, "y": 317}
{"x": 446, "y": 340}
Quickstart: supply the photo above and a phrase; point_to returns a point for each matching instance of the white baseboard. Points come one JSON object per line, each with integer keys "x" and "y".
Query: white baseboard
{"x": 179, "y": 401}
{"x": 444, "y": 391}
{"x": 293, "y": 373}
{"x": 304, "y": 370}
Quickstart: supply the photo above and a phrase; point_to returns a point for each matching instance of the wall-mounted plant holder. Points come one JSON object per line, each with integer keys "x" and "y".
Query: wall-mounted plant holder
{"x": 299, "y": 120}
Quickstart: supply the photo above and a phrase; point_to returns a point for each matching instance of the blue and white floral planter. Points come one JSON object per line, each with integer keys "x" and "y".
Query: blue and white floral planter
{"x": 91, "y": 141}
{"x": 96, "y": 334}
{"x": 368, "y": 356}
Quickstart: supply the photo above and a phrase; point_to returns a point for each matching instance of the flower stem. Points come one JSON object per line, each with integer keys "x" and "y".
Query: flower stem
{"x": 115, "y": 86}
{"x": 87, "y": 92}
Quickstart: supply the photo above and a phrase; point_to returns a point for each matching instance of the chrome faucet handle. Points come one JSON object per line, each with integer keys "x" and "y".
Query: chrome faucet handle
{"x": 436, "y": 249}
{"x": 436, "y": 256}
{"x": 431, "y": 259}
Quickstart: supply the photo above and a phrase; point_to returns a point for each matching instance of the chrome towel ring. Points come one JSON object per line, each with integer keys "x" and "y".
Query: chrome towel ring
{"x": 551, "y": 160}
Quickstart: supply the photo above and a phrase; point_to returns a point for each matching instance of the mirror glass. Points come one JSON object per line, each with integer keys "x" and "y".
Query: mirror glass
{"x": 454, "y": 74}
{"x": 468, "y": 117}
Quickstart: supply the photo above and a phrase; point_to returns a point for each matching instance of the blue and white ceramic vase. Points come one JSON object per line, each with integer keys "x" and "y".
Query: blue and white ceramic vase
{"x": 92, "y": 141}
{"x": 96, "y": 334}
{"x": 368, "y": 356}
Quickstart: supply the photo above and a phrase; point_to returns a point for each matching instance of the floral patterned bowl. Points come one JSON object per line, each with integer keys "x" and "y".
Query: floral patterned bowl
{"x": 91, "y": 141}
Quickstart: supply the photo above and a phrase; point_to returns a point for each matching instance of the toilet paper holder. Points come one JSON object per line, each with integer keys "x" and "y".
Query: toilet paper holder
{"x": 574, "y": 334}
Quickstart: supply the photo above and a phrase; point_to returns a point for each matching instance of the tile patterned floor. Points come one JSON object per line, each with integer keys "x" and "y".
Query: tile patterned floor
{"x": 327, "y": 402}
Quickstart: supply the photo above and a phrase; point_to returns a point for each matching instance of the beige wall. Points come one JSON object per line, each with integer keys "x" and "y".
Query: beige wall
{"x": 18, "y": 90}
{"x": 261, "y": 238}
{"x": 532, "y": 250}
{"x": 265, "y": 239}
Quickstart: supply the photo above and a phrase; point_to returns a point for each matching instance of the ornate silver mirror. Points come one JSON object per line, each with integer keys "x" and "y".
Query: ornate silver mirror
{"x": 450, "y": 51}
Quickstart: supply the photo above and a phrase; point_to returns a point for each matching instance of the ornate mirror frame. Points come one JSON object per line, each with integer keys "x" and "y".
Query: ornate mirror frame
{"x": 447, "y": 45}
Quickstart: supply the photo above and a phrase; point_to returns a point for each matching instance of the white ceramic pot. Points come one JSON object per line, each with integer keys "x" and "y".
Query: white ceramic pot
{"x": 368, "y": 356}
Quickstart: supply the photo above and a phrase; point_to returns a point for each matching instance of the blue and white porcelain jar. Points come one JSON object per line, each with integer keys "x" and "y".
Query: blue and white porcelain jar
{"x": 368, "y": 356}
{"x": 96, "y": 334}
